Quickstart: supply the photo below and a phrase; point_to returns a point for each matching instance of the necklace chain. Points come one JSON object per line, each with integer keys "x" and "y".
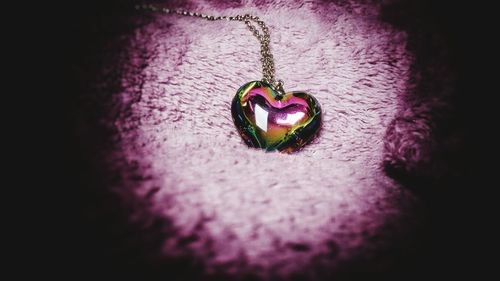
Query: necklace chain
{"x": 263, "y": 36}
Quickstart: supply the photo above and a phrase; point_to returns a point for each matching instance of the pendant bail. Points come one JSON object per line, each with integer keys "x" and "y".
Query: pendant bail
{"x": 278, "y": 87}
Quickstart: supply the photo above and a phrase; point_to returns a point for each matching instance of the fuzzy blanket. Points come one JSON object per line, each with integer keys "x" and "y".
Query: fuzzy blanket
{"x": 240, "y": 211}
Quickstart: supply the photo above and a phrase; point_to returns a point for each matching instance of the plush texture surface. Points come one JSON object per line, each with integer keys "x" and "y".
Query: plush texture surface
{"x": 237, "y": 210}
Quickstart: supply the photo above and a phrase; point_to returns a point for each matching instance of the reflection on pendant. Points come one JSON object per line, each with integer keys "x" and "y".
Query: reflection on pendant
{"x": 265, "y": 121}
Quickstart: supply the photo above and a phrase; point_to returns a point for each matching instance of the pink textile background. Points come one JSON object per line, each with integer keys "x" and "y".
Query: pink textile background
{"x": 177, "y": 158}
{"x": 244, "y": 209}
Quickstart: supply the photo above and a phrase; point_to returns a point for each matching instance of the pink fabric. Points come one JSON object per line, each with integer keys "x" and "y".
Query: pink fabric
{"x": 242, "y": 209}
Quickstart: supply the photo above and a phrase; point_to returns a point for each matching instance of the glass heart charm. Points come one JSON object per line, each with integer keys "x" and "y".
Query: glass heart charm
{"x": 271, "y": 121}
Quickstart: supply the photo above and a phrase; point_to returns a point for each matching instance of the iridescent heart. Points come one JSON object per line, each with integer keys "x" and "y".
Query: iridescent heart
{"x": 271, "y": 121}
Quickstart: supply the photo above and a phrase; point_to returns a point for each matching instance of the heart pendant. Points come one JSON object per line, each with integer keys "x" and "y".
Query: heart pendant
{"x": 271, "y": 121}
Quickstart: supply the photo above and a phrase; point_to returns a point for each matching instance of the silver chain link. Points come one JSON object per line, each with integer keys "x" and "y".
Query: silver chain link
{"x": 264, "y": 38}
